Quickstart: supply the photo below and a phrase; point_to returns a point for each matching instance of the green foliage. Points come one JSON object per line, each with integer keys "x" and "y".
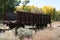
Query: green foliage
{"x": 8, "y": 6}
{"x": 57, "y": 16}
{"x": 24, "y": 32}
{"x": 29, "y": 9}
{"x": 48, "y": 10}
{"x": 25, "y": 3}
{"x": 17, "y": 2}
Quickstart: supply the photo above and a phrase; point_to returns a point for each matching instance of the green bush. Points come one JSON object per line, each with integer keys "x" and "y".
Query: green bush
{"x": 24, "y": 32}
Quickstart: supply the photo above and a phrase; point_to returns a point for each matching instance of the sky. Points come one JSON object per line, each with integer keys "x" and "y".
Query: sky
{"x": 41, "y": 3}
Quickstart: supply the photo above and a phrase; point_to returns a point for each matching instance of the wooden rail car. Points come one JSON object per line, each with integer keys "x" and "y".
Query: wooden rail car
{"x": 28, "y": 18}
{"x": 20, "y": 19}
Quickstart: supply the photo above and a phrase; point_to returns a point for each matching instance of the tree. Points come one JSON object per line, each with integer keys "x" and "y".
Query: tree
{"x": 49, "y": 10}
{"x": 57, "y": 15}
{"x": 8, "y": 5}
{"x": 37, "y": 10}
{"x": 17, "y": 2}
{"x": 25, "y": 3}
{"x": 29, "y": 9}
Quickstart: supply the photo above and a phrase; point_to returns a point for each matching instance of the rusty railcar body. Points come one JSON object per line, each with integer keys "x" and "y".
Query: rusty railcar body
{"x": 27, "y": 18}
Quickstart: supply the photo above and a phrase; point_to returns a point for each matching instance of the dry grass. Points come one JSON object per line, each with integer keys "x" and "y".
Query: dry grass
{"x": 46, "y": 34}
{"x": 52, "y": 33}
{"x": 8, "y": 35}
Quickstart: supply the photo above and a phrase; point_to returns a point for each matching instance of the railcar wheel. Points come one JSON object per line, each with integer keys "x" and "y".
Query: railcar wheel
{"x": 10, "y": 26}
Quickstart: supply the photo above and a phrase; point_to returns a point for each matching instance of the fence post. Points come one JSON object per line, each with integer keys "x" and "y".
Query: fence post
{"x": 15, "y": 30}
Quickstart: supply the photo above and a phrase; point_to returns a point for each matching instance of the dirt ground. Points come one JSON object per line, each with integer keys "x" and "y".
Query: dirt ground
{"x": 52, "y": 33}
